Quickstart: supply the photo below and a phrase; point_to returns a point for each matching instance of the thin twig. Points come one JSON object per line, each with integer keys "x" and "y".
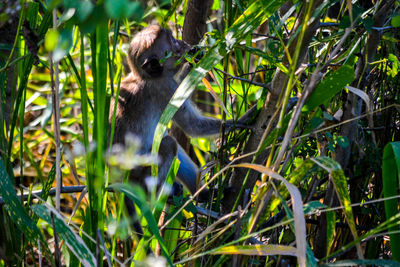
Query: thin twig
{"x": 56, "y": 115}
{"x": 267, "y": 36}
{"x": 38, "y": 193}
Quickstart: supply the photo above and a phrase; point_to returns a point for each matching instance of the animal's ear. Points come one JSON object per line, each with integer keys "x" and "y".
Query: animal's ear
{"x": 152, "y": 67}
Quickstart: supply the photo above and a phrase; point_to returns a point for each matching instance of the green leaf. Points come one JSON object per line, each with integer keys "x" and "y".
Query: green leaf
{"x": 171, "y": 11}
{"x": 15, "y": 209}
{"x": 216, "y": 5}
{"x": 329, "y": 87}
{"x": 313, "y": 205}
{"x": 391, "y": 179}
{"x": 368, "y": 23}
{"x": 342, "y": 141}
{"x": 95, "y": 17}
{"x": 50, "y": 42}
{"x": 84, "y": 9}
{"x": 49, "y": 181}
{"x": 73, "y": 241}
{"x": 392, "y": 58}
{"x": 315, "y": 123}
{"x": 396, "y": 21}
{"x": 119, "y": 9}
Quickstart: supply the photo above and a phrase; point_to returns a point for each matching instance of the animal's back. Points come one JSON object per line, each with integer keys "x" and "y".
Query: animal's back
{"x": 136, "y": 114}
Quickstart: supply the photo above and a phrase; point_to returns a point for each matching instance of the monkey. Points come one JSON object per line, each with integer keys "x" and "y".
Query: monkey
{"x": 155, "y": 73}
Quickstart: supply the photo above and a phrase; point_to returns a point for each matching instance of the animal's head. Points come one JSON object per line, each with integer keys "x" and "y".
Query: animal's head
{"x": 154, "y": 52}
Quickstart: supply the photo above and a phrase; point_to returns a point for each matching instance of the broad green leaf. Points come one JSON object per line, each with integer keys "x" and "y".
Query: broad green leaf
{"x": 50, "y": 42}
{"x": 73, "y": 241}
{"x": 14, "y": 207}
{"x": 216, "y": 5}
{"x": 333, "y": 83}
{"x": 119, "y": 9}
{"x": 391, "y": 180}
{"x": 257, "y": 250}
{"x": 140, "y": 202}
{"x": 396, "y": 21}
{"x": 84, "y": 9}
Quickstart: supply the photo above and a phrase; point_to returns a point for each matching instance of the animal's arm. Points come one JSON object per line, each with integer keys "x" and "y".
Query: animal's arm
{"x": 193, "y": 123}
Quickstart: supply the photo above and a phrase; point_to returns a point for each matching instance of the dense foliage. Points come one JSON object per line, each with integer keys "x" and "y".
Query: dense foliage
{"x": 313, "y": 181}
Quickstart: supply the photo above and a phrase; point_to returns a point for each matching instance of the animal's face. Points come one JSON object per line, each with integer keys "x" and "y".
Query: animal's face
{"x": 155, "y": 52}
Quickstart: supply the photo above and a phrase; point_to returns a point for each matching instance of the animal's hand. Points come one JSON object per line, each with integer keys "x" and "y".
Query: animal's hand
{"x": 245, "y": 121}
